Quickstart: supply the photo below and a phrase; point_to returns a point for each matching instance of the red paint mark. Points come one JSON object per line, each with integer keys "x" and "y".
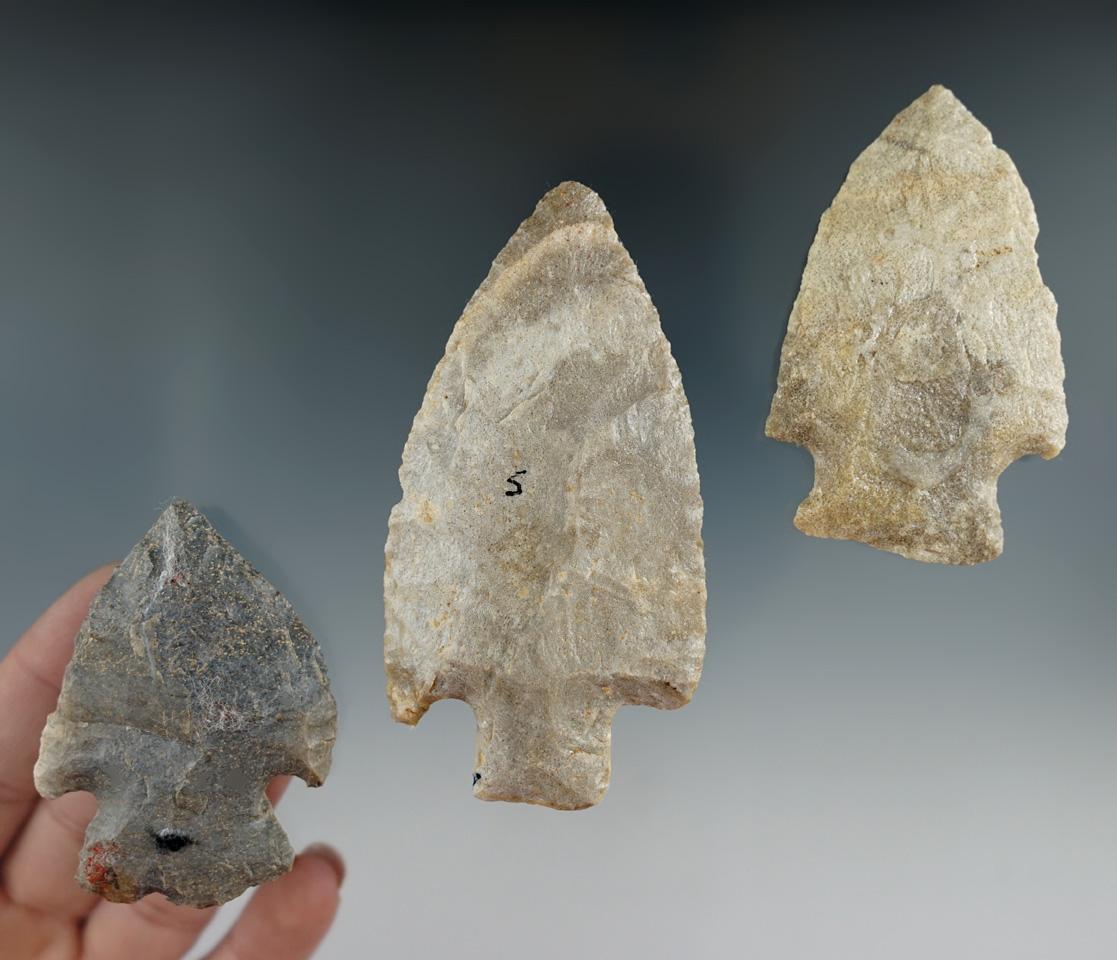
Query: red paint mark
{"x": 99, "y": 873}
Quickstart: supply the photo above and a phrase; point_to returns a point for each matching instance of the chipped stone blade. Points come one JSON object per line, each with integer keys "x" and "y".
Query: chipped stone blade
{"x": 192, "y": 684}
{"x": 922, "y": 355}
{"x": 545, "y": 563}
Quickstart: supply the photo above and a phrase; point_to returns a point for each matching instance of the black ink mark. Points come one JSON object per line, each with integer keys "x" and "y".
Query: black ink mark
{"x": 516, "y": 483}
{"x": 171, "y": 840}
{"x": 476, "y": 777}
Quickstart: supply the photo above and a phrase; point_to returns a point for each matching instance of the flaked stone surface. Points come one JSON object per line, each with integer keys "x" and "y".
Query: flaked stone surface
{"x": 192, "y": 684}
{"x": 921, "y": 356}
{"x": 545, "y": 563}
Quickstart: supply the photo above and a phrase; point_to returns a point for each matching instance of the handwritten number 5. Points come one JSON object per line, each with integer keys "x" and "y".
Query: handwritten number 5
{"x": 516, "y": 483}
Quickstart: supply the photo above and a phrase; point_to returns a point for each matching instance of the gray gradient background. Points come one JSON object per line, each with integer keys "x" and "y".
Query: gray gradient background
{"x": 232, "y": 248}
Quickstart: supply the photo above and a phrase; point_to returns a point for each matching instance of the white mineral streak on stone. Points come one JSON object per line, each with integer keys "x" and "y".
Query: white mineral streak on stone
{"x": 548, "y": 608}
{"x": 922, "y": 356}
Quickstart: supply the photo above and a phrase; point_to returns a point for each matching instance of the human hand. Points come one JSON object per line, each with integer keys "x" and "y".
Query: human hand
{"x": 44, "y": 914}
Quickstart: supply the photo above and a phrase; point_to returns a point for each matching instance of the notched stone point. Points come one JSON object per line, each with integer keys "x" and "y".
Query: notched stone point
{"x": 545, "y": 563}
{"x": 922, "y": 355}
{"x": 192, "y": 684}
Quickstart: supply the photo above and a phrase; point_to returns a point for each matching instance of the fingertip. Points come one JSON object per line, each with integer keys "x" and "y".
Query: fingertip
{"x": 326, "y": 854}
{"x": 86, "y": 588}
{"x": 59, "y": 623}
{"x": 317, "y": 875}
{"x": 104, "y": 571}
{"x": 56, "y": 626}
{"x": 277, "y": 787}
{"x": 287, "y": 919}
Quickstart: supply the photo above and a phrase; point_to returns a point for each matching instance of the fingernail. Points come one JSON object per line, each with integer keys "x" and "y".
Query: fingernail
{"x": 330, "y": 855}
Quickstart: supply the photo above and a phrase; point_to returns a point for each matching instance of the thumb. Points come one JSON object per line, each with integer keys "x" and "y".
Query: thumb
{"x": 287, "y": 919}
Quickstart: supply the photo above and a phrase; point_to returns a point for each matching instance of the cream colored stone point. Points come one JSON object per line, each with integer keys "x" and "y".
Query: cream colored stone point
{"x": 545, "y": 563}
{"x": 921, "y": 356}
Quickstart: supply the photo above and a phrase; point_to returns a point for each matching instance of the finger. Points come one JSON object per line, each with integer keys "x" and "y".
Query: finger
{"x": 152, "y": 928}
{"x": 30, "y": 678}
{"x": 277, "y": 788}
{"x": 38, "y": 871}
{"x": 287, "y": 919}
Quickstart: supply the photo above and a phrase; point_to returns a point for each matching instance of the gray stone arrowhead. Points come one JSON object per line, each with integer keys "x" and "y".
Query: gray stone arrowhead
{"x": 922, "y": 355}
{"x": 545, "y": 563}
{"x": 192, "y": 684}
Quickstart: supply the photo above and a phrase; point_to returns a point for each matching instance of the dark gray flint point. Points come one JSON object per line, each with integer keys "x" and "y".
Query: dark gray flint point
{"x": 192, "y": 684}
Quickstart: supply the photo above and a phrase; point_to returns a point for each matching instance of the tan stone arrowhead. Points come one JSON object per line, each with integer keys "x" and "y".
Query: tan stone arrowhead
{"x": 545, "y": 563}
{"x": 921, "y": 356}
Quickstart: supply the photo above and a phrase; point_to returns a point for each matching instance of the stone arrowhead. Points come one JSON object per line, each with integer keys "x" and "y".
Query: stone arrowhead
{"x": 545, "y": 564}
{"x": 192, "y": 684}
{"x": 922, "y": 356}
